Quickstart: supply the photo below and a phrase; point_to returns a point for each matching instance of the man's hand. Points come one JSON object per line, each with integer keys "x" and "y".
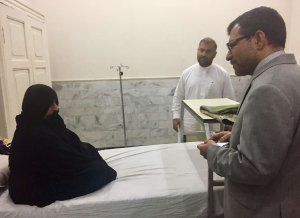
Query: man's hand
{"x": 218, "y": 137}
{"x": 176, "y": 124}
{"x": 223, "y": 136}
{"x": 204, "y": 146}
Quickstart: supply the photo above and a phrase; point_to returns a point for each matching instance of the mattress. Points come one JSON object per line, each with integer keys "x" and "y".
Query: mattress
{"x": 166, "y": 180}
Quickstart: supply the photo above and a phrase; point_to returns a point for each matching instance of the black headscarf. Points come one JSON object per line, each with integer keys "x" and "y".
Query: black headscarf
{"x": 48, "y": 162}
{"x": 37, "y": 100}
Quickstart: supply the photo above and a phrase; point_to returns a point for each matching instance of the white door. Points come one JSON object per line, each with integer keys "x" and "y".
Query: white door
{"x": 25, "y": 60}
{"x": 40, "y": 59}
{"x": 17, "y": 63}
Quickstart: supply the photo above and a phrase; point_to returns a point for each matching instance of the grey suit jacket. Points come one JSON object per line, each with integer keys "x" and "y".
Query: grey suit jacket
{"x": 262, "y": 165}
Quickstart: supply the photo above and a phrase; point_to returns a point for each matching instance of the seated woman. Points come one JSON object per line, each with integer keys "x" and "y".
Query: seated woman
{"x": 47, "y": 161}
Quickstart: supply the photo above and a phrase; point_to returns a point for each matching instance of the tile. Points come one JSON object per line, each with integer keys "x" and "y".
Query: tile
{"x": 93, "y": 110}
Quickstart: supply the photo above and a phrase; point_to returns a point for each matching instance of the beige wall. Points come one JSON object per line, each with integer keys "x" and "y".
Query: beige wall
{"x": 26, "y": 2}
{"x": 155, "y": 38}
{"x": 294, "y": 31}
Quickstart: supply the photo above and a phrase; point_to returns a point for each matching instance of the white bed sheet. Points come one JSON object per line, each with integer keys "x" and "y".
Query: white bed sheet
{"x": 167, "y": 180}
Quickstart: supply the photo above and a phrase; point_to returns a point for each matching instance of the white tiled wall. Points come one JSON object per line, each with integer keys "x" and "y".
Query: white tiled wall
{"x": 92, "y": 109}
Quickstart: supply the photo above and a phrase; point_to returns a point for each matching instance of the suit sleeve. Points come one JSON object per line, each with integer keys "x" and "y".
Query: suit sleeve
{"x": 265, "y": 137}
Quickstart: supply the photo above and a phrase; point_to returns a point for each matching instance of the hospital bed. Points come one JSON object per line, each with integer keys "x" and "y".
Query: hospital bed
{"x": 166, "y": 180}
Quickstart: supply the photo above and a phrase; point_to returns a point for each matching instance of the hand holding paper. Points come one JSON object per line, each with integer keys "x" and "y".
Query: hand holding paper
{"x": 223, "y": 136}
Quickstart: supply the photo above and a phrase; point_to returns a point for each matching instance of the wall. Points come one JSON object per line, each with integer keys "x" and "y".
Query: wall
{"x": 26, "y": 2}
{"x": 155, "y": 38}
{"x": 294, "y": 32}
{"x": 92, "y": 109}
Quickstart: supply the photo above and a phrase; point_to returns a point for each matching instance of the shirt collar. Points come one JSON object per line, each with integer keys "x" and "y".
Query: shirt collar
{"x": 205, "y": 68}
{"x": 268, "y": 59}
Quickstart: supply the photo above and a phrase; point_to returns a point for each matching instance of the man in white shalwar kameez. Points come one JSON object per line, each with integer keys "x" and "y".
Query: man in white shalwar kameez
{"x": 202, "y": 80}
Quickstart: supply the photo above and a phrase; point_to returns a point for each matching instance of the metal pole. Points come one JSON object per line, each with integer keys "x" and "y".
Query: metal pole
{"x": 122, "y": 102}
{"x": 119, "y": 69}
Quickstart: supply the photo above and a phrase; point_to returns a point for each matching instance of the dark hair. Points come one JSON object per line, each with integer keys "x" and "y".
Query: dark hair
{"x": 265, "y": 19}
{"x": 209, "y": 40}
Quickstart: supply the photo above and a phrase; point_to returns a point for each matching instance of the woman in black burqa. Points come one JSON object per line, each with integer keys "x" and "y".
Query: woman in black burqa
{"x": 47, "y": 161}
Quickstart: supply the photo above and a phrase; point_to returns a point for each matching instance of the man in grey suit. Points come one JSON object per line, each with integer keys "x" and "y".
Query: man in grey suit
{"x": 261, "y": 165}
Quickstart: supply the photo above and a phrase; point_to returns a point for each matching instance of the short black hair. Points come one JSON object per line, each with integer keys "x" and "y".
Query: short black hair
{"x": 265, "y": 19}
{"x": 209, "y": 40}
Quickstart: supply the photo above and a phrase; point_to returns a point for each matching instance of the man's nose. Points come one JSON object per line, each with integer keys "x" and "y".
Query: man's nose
{"x": 228, "y": 56}
{"x": 203, "y": 54}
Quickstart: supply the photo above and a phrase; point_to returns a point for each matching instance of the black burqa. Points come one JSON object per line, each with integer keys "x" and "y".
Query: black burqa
{"x": 48, "y": 162}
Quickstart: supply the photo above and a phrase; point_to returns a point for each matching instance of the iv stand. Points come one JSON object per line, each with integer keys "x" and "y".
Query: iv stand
{"x": 119, "y": 69}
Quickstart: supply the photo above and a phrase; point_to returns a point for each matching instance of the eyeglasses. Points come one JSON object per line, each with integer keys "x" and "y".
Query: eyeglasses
{"x": 234, "y": 42}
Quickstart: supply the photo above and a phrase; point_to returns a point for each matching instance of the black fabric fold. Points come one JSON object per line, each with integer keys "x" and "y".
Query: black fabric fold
{"x": 49, "y": 162}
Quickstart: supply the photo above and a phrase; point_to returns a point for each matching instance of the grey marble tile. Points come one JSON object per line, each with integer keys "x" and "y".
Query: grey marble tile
{"x": 93, "y": 110}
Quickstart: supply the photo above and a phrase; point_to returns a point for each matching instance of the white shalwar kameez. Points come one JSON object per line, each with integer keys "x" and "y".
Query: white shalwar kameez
{"x": 199, "y": 82}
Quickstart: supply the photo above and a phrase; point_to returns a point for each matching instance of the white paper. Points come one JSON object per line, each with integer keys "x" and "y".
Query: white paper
{"x": 221, "y": 144}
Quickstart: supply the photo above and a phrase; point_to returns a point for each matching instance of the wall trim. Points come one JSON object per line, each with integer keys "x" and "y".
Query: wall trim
{"x": 24, "y": 8}
{"x": 116, "y": 79}
{"x": 123, "y": 78}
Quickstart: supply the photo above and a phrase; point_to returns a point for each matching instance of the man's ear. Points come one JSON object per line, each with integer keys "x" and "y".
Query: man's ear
{"x": 215, "y": 54}
{"x": 260, "y": 40}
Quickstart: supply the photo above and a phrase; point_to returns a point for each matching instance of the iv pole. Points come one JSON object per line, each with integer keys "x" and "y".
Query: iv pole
{"x": 119, "y": 69}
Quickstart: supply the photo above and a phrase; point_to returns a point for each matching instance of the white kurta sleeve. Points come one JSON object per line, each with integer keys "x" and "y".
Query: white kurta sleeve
{"x": 228, "y": 91}
{"x": 177, "y": 98}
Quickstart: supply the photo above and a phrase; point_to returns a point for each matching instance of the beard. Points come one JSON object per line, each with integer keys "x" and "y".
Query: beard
{"x": 244, "y": 69}
{"x": 205, "y": 62}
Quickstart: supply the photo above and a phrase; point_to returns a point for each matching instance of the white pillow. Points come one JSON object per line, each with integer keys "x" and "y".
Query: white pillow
{"x": 4, "y": 170}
